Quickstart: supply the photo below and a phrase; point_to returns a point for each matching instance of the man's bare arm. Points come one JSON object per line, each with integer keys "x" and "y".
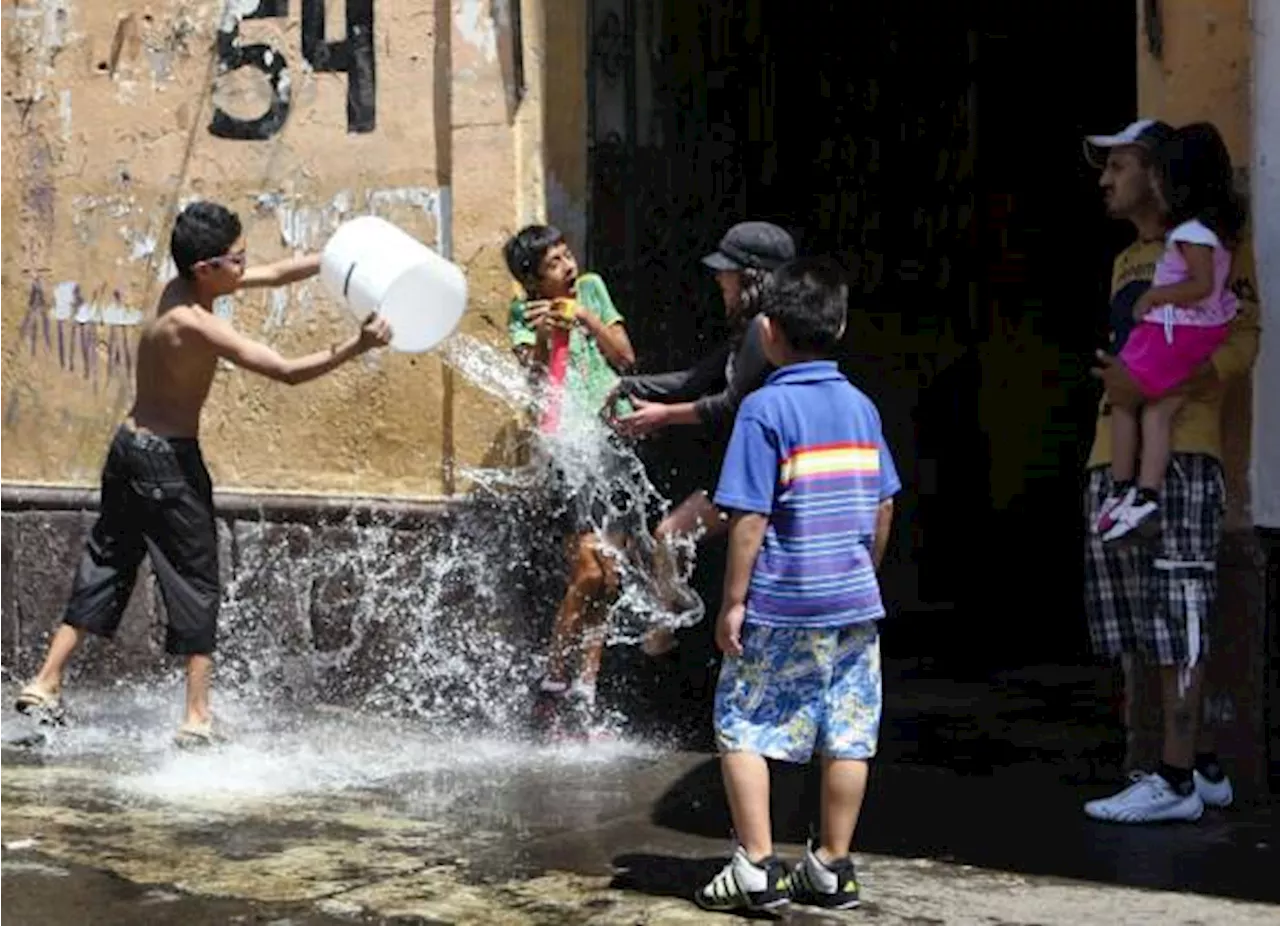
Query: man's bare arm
{"x": 282, "y": 272}
{"x": 257, "y": 357}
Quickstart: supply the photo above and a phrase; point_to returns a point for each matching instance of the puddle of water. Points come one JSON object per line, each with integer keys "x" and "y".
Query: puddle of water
{"x": 126, "y": 732}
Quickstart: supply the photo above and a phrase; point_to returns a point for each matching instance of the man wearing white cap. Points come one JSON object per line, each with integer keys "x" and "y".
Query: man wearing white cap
{"x": 1156, "y": 604}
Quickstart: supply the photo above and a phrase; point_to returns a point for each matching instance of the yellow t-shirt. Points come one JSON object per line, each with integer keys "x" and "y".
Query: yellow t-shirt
{"x": 1198, "y": 425}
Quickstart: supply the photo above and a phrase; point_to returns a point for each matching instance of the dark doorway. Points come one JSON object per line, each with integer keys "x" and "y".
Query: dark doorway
{"x": 935, "y": 148}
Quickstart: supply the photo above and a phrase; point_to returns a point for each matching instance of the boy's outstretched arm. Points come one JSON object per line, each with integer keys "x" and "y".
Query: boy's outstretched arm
{"x": 282, "y": 272}
{"x": 257, "y": 357}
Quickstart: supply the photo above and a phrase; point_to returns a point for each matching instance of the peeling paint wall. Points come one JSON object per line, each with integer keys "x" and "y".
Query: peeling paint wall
{"x": 1266, "y": 230}
{"x": 298, "y": 114}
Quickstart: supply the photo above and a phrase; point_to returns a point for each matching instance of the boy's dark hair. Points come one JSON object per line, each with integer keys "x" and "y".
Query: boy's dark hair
{"x": 807, "y": 298}
{"x": 1197, "y": 181}
{"x": 202, "y": 231}
{"x": 526, "y": 248}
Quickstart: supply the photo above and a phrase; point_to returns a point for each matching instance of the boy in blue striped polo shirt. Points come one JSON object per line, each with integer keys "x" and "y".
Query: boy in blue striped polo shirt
{"x": 810, "y": 482}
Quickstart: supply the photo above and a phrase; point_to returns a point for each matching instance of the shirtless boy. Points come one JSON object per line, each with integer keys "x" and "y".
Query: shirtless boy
{"x": 157, "y": 498}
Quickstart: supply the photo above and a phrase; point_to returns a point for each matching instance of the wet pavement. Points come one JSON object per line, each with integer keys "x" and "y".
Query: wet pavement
{"x": 322, "y": 816}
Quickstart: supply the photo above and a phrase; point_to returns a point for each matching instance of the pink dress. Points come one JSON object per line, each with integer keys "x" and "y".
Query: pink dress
{"x": 1172, "y": 341}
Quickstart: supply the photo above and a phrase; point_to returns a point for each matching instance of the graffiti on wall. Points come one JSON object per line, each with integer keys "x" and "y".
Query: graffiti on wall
{"x": 91, "y": 337}
{"x": 353, "y": 55}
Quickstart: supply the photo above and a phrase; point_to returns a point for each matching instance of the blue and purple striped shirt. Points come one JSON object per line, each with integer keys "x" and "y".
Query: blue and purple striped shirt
{"x": 808, "y": 451}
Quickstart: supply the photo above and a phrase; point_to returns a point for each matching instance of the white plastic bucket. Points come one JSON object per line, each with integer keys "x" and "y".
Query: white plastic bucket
{"x": 371, "y": 265}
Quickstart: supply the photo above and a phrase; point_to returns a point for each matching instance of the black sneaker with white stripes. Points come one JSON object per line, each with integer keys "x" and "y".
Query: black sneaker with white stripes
{"x": 747, "y": 885}
{"x": 832, "y": 885}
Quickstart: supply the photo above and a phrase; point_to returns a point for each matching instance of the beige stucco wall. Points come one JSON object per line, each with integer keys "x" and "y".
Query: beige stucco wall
{"x": 106, "y": 133}
{"x": 1203, "y": 73}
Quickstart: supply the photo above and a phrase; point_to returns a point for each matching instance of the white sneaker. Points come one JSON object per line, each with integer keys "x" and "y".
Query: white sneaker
{"x": 1149, "y": 799}
{"x": 1213, "y": 793}
{"x": 747, "y": 885}
{"x": 1105, "y": 518}
{"x": 1129, "y": 516}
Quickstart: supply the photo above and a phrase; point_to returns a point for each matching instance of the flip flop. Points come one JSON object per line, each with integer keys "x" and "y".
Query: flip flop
{"x": 31, "y": 701}
{"x": 198, "y": 736}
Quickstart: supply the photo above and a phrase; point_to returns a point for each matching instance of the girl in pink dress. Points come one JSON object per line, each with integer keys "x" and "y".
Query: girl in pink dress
{"x": 1182, "y": 319}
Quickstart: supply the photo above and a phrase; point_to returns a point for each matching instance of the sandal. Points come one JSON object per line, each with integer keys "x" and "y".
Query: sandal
{"x": 198, "y": 736}
{"x": 46, "y": 707}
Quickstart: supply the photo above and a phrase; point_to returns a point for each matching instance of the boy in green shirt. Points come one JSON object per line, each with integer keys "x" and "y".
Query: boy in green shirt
{"x": 556, "y": 301}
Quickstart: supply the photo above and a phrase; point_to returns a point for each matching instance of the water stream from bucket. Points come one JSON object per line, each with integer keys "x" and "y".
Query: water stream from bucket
{"x": 421, "y": 642}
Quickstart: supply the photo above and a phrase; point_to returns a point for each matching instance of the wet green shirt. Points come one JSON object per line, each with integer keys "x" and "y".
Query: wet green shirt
{"x": 588, "y": 378}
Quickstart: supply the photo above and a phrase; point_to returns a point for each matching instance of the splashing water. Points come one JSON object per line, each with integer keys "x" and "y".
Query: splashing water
{"x": 435, "y": 626}
{"x": 496, "y": 372}
{"x": 439, "y": 625}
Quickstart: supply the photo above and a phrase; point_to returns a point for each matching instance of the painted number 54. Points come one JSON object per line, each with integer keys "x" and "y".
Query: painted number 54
{"x": 353, "y": 56}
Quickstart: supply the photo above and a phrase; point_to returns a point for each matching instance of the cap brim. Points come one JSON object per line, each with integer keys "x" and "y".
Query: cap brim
{"x": 1097, "y": 146}
{"x": 1109, "y": 141}
{"x": 719, "y": 261}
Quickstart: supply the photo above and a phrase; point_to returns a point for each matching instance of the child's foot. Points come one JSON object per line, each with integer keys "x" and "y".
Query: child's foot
{"x": 1121, "y": 494}
{"x": 746, "y": 885}
{"x": 577, "y": 716}
{"x": 45, "y": 707}
{"x": 1139, "y": 514}
{"x": 194, "y": 735}
{"x": 832, "y": 885}
{"x": 548, "y": 705}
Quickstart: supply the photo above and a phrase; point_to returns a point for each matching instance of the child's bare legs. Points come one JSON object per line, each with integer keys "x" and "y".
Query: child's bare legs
{"x": 697, "y": 517}
{"x": 746, "y": 782}
{"x": 199, "y": 671}
{"x": 49, "y": 680}
{"x": 586, "y": 588}
{"x": 844, "y": 785}
{"x": 1128, "y": 508}
{"x": 1157, "y": 425}
{"x": 1124, "y": 444}
{"x": 594, "y": 616}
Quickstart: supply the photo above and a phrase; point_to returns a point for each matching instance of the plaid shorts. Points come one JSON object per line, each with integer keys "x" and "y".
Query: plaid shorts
{"x": 1158, "y": 601}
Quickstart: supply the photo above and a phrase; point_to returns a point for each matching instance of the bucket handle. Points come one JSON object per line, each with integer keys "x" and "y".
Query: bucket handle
{"x": 346, "y": 282}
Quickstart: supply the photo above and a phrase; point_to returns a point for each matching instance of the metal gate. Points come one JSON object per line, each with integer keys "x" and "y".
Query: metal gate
{"x": 663, "y": 179}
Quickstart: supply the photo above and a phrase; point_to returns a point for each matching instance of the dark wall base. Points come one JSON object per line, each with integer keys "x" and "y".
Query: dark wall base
{"x": 427, "y": 610}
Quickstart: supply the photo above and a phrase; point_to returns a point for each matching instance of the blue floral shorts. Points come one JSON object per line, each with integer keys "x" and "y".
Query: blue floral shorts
{"x": 794, "y": 692}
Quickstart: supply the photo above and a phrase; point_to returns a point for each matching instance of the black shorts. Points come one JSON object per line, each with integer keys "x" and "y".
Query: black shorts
{"x": 606, "y": 494}
{"x": 157, "y": 500}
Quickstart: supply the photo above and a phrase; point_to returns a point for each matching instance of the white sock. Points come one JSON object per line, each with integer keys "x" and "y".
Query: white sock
{"x": 824, "y": 879}
{"x": 750, "y": 876}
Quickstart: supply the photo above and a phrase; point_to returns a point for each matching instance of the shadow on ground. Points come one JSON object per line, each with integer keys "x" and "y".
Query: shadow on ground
{"x": 990, "y": 772}
{"x": 44, "y": 891}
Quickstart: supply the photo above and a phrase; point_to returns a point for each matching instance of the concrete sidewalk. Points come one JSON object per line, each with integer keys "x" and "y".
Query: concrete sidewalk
{"x": 521, "y": 835}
